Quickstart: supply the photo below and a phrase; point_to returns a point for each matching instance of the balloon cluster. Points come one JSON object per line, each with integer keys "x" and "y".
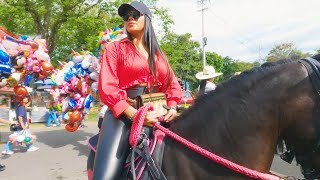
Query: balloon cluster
{"x": 22, "y": 60}
{"x": 108, "y": 36}
{"x": 74, "y": 88}
{"x": 21, "y": 139}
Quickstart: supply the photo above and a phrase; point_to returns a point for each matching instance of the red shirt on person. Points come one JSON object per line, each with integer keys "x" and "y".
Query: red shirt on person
{"x": 124, "y": 67}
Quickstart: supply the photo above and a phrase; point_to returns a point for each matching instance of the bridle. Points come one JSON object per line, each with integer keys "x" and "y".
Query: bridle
{"x": 303, "y": 158}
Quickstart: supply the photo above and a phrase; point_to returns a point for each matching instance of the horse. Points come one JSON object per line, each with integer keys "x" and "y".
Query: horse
{"x": 247, "y": 119}
{"x": 244, "y": 120}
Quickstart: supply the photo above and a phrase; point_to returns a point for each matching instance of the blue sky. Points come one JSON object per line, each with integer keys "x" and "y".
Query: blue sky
{"x": 247, "y": 30}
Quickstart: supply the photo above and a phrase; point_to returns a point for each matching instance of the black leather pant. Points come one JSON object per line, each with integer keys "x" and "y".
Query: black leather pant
{"x": 112, "y": 149}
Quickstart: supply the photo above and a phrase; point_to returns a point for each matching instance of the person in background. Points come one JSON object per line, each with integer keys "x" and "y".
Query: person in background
{"x": 206, "y": 78}
{"x": 102, "y": 111}
{"x": 129, "y": 67}
{"x": 3, "y": 167}
{"x": 21, "y": 116}
{"x": 53, "y": 114}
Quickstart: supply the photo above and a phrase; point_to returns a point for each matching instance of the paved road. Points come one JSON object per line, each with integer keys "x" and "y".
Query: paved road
{"x": 62, "y": 155}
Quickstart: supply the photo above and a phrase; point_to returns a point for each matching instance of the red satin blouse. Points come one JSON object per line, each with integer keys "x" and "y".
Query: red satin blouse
{"x": 123, "y": 67}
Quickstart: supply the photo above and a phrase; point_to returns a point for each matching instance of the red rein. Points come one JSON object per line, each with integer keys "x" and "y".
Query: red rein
{"x": 137, "y": 127}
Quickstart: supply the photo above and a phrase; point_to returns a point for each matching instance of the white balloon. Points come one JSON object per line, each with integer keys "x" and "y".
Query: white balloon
{"x": 9, "y": 45}
{"x": 94, "y": 86}
{"x": 41, "y": 55}
{"x": 94, "y": 76}
{"x": 77, "y": 59}
{"x": 20, "y": 138}
{"x": 86, "y": 62}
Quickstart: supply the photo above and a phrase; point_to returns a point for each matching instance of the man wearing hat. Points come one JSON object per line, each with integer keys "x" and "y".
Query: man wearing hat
{"x": 207, "y": 77}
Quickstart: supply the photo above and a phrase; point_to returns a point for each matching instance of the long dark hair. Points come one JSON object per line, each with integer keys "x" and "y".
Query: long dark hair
{"x": 151, "y": 42}
{"x": 202, "y": 87}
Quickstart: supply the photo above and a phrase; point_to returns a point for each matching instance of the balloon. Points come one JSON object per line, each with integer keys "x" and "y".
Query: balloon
{"x": 85, "y": 89}
{"x": 27, "y": 139}
{"x": 12, "y": 138}
{"x": 4, "y": 57}
{"x": 20, "y": 138}
{"x": 86, "y": 62}
{"x": 80, "y": 103}
{"x": 20, "y": 91}
{"x": 77, "y": 96}
{"x": 42, "y": 44}
{"x": 46, "y": 68}
{"x": 94, "y": 87}
{"x": 9, "y": 45}
{"x": 72, "y": 103}
{"x": 27, "y": 50}
{"x": 42, "y": 56}
{"x": 75, "y": 83}
{"x": 71, "y": 127}
{"x": 29, "y": 65}
{"x": 88, "y": 100}
{"x": 3, "y": 82}
{"x": 75, "y": 116}
{"x": 34, "y": 45}
{"x": 77, "y": 58}
{"x": 15, "y": 78}
{"x": 6, "y": 69}
{"x": 94, "y": 76}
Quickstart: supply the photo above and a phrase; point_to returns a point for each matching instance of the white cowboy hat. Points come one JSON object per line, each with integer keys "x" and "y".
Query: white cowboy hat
{"x": 207, "y": 73}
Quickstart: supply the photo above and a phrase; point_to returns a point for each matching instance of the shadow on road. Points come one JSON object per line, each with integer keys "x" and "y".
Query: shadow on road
{"x": 60, "y": 138}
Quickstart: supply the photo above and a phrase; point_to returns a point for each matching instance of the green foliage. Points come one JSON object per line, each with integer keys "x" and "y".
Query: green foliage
{"x": 183, "y": 55}
{"x": 285, "y": 50}
{"x": 66, "y": 25}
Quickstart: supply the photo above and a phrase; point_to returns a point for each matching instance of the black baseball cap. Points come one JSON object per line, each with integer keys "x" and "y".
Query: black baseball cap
{"x": 139, "y": 6}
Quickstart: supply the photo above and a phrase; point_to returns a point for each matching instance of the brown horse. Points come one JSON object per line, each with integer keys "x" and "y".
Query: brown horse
{"x": 244, "y": 119}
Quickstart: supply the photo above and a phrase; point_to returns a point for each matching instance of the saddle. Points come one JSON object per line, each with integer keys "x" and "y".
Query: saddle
{"x": 146, "y": 158}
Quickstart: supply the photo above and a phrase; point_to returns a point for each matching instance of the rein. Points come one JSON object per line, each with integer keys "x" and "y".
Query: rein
{"x": 138, "y": 120}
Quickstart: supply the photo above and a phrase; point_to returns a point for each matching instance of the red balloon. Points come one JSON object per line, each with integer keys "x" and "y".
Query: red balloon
{"x": 71, "y": 127}
{"x": 46, "y": 68}
{"x": 75, "y": 116}
{"x": 20, "y": 92}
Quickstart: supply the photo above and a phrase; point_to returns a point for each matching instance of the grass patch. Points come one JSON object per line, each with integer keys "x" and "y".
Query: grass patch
{"x": 93, "y": 115}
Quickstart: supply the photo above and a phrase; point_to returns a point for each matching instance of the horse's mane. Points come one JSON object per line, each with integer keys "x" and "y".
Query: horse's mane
{"x": 233, "y": 86}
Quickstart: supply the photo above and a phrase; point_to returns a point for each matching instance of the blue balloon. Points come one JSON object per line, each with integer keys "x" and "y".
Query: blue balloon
{"x": 87, "y": 101}
{"x": 28, "y": 79}
{"x": 5, "y": 69}
{"x": 24, "y": 37}
{"x": 72, "y": 103}
{"x": 4, "y": 58}
{"x": 116, "y": 28}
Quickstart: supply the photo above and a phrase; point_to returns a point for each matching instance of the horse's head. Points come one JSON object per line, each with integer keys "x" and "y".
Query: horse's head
{"x": 302, "y": 137}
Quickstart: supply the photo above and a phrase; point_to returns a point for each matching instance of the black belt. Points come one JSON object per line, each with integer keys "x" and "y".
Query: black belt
{"x": 138, "y": 90}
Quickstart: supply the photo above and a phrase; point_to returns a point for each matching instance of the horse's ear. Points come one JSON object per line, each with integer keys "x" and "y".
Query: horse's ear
{"x": 317, "y": 57}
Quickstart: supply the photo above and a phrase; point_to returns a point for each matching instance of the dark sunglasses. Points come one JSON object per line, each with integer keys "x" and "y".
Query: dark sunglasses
{"x": 134, "y": 14}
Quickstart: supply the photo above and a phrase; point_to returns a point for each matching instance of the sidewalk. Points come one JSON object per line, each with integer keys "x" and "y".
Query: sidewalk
{"x": 62, "y": 155}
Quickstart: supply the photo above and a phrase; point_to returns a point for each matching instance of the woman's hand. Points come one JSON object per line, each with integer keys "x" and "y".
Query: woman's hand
{"x": 151, "y": 118}
{"x": 170, "y": 115}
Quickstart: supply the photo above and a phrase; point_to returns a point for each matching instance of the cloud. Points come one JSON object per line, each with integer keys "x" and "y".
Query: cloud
{"x": 248, "y": 29}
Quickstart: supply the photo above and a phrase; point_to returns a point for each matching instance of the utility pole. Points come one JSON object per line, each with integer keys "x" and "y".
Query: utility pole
{"x": 203, "y": 38}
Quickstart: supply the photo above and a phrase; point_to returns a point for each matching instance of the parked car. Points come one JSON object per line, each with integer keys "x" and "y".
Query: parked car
{"x": 186, "y": 101}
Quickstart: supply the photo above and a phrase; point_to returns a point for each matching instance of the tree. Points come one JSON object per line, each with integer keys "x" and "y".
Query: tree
{"x": 318, "y": 51}
{"x": 183, "y": 55}
{"x": 66, "y": 25}
{"x": 285, "y": 50}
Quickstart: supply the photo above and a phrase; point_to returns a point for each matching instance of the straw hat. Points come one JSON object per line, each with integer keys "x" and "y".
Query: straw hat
{"x": 207, "y": 73}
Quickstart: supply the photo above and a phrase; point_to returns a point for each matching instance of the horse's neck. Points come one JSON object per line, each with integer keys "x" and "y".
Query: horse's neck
{"x": 242, "y": 128}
